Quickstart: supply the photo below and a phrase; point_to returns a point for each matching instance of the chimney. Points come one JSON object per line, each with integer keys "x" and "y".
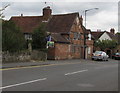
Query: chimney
{"x": 21, "y": 15}
{"x": 46, "y": 13}
{"x": 112, "y": 31}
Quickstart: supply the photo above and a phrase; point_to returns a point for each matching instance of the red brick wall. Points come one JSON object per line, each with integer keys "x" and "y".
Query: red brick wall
{"x": 78, "y": 53}
{"x": 73, "y": 50}
{"x": 67, "y": 51}
{"x": 61, "y": 51}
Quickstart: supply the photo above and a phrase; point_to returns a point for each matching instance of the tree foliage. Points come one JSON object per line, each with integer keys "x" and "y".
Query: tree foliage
{"x": 39, "y": 35}
{"x": 12, "y": 39}
{"x": 103, "y": 44}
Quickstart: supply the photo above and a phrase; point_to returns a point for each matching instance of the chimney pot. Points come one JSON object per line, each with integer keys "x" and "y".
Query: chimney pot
{"x": 21, "y": 14}
{"x": 112, "y": 31}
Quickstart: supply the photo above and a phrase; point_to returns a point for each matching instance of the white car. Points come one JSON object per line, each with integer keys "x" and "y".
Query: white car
{"x": 100, "y": 55}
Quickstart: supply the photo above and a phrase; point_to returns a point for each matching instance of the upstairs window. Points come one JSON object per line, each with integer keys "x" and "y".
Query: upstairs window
{"x": 77, "y": 36}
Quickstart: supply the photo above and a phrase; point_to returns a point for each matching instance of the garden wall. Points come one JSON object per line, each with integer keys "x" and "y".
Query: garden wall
{"x": 24, "y": 56}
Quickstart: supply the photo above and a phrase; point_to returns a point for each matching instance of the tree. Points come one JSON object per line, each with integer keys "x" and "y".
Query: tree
{"x": 103, "y": 44}
{"x": 2, "y": 9}
{"x": 39, "y": 35}
{"x": 12, "y": 39}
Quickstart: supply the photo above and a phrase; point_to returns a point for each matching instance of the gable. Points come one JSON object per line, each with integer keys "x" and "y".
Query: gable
{"x": 61, "y": 23}
{"x": 105, "y": 36}
{"x": 76, "y": 25}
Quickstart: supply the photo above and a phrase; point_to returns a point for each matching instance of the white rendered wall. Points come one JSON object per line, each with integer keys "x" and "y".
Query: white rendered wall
{"x": 105, "y": 36}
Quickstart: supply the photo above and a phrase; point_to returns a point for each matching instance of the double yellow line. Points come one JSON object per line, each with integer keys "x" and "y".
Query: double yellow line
{"x": 24, "y": 67}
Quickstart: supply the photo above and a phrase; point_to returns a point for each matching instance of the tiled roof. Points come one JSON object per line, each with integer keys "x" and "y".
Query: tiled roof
{"x": 61, "y": 23}
{"x": 57, "y": 37}
{"x": 58, "y": 23}
{"x": 96, "y": 35}
{"x": 27, "y": 24}
{"x": 112, "y": 36}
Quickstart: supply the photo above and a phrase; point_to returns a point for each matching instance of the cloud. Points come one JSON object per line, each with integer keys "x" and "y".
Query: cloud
{"x": 104, "y": 18}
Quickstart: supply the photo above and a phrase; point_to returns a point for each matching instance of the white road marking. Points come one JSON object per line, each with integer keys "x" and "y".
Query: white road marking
{"x": 22, "y": 83}
{"x": 85, "y": 85}
{"x": 75, "y": 72}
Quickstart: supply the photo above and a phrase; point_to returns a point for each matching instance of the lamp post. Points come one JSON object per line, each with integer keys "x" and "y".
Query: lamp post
{"x": 87, "y": 11}
{"x": 85, "y": 31}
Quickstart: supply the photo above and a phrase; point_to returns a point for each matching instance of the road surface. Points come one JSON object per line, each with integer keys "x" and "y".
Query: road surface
{"x": 68, "y": 76}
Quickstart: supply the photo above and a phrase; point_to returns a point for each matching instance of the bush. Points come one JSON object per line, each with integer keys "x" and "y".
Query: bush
{"x": 106, "y": 44}
{"x": 12, "y": 39}
{"x": 39, "y": 38}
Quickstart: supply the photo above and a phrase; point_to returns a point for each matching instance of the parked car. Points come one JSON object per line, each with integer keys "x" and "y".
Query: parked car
{"x": 116, "y": 56}
{"x": 100, "y": 55}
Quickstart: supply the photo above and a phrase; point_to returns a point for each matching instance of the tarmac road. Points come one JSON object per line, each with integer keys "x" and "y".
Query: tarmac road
{"x": 69, "y": 75}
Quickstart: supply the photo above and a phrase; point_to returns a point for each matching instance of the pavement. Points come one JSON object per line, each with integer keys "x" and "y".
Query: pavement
{"x": 36, "y": 63}
{"x": 47, "y": 62}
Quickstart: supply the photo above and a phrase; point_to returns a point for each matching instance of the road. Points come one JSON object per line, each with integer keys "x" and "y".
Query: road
{"x": 68, "y": 76}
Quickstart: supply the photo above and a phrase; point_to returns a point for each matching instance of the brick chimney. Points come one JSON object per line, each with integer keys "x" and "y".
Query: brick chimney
{"x": 21, "y": 15}
{"x": 112, "y": 31}
{"x": 46, "y": 13}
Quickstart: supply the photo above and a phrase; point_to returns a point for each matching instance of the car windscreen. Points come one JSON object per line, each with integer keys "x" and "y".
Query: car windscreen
{"x": 98, "y": 52}
{"x": 117, "y": 54}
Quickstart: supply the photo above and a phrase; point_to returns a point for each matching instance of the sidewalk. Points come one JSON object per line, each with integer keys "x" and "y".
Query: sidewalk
{"x": 36, "y": 63}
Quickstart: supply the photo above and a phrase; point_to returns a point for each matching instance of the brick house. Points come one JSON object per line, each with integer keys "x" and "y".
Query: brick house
{"x": 67, "y": 32}
{"x": 104, "y": 35}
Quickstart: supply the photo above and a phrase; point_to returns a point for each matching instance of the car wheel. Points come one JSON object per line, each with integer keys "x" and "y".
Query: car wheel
{"x": 107, "y": 59}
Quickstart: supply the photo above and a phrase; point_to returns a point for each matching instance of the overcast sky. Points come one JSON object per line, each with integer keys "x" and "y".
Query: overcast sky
{"x": 104, "y": 18}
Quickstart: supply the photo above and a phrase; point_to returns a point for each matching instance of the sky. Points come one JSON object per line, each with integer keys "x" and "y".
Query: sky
{"x": 105, "y": 18}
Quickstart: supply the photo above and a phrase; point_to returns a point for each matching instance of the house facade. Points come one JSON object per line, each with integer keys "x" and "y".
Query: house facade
{"x": 104, "y": 35}
{"x": 66, "y": 32}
